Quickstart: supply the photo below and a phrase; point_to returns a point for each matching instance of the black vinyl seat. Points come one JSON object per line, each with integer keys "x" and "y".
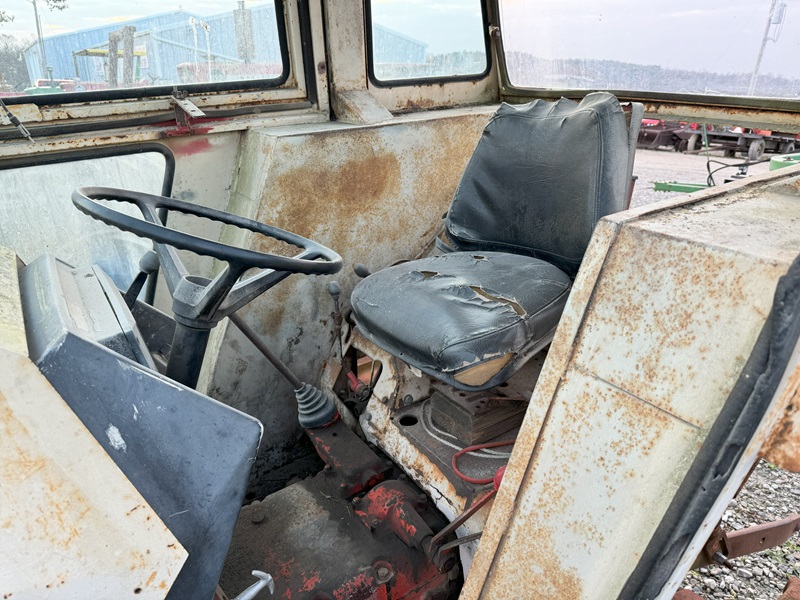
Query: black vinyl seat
{"x": 523, "y": 213}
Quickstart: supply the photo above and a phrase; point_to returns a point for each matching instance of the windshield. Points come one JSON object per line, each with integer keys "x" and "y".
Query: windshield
{"x": 733, "y": 48}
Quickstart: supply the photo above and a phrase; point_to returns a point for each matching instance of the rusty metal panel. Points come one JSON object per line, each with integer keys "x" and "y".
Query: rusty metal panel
{"x": 783, "y": 445}
{"x": 71, "y": 524}
{"x": 661, "y": 320}
{"x": 578, "y": 539}
{"x": 375, "y": 194}
{"x": 666, "y": 331}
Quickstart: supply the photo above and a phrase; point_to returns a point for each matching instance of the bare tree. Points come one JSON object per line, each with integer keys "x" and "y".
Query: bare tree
{"x": 13, "y": 71}
{"x": 7, "y": 17}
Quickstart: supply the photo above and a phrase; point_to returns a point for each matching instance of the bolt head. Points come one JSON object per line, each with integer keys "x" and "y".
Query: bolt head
{"x": 257, "y": 516}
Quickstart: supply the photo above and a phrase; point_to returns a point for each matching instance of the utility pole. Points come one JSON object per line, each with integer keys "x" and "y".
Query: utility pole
{"x": 42, "y": 56}
{"x": 754, "y": 78}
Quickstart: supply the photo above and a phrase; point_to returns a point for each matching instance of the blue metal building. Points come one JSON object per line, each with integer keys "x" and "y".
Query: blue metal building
{"x": 184, "y": 47}
{"x": 59, "y": 49}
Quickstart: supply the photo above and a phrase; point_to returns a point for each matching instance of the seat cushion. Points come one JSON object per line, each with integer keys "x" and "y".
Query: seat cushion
{"x": 470, "y": 319}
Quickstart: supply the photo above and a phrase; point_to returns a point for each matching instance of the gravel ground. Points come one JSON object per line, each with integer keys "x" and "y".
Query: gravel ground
{"x": 667, "y": 165}
{"x": 770, "y": 493}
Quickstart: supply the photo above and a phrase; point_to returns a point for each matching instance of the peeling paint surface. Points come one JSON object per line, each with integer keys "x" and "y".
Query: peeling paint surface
{"x": 115, "y": 438}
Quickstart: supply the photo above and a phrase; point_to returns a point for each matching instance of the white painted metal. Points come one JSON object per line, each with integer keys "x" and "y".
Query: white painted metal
{"x": 71, "y": 525}
{"x": 663, "y": 315}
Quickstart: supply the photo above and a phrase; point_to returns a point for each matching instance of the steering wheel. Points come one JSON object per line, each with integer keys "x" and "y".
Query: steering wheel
{"x": 197, "y": 301}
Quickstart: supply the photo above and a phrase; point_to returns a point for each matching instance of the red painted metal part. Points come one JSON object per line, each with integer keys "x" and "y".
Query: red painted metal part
{"x": 391, "y": 504}
{"x": 317, "y": 548}
{"x": 394, "y": 506}
{"x": 351, "y": 466}
{"x": 311, "y": 536}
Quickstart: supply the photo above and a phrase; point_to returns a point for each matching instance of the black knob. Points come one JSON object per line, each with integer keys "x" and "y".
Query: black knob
{"x": 361, "y": 270}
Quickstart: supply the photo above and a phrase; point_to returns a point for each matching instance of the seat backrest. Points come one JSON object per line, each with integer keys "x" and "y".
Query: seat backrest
{"x": 541, "y": 177}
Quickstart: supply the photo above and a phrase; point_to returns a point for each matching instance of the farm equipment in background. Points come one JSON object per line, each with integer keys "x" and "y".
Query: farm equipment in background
{"x": 688, "y": 137}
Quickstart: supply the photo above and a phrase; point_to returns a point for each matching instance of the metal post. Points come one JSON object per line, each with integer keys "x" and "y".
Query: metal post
{"x": 186, "y": 356}
{"x": 42, "y": 55}
{"x": 754, "y": 78}
{"x": 113, "y": 56}
{"x": 127, "y": 55}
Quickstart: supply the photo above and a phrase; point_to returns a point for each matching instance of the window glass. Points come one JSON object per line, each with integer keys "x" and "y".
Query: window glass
{"x": 84, "y": 46}
{"x": 417, "y": 39}
{"x": 732, "y": 48}
{"x": 38, "y": 215}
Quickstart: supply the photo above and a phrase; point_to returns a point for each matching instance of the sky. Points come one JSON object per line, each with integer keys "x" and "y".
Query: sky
{"x": 83, "y": 14}
{"x": 712, "y": 35}
{"x": 721, "y": 36}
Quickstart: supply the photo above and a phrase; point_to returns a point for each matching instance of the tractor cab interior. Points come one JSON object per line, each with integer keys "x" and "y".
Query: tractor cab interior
{"x": 347, "y": 300}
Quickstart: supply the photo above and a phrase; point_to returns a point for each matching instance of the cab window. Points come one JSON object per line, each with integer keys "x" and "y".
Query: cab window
{"x": 738, "y": 48}
{"x": 410, "y": 41}
{"x": 108, "y": 47}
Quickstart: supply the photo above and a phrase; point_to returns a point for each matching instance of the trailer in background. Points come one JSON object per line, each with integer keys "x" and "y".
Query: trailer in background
{"x": 688, "y": 137}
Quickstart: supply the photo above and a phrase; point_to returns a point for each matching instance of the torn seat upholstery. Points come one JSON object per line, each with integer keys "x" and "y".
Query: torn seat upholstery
{"x": 523, "y": 213}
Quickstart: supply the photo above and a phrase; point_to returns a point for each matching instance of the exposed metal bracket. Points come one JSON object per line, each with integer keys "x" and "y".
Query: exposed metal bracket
{"x": 185, "y": 110}
{"x": 723, "y": 545}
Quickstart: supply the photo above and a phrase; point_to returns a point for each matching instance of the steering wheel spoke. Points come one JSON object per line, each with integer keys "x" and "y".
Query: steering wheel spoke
{"x": 198, "y": 301}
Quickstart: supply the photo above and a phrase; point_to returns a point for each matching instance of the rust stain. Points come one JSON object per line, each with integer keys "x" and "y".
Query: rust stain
{"x": 415, "y": 105}
{"x": 685, "y": 307}
{"x": 150, "y": 579}
{"x": 342, "y": 190}
{"x": 349, "y": 186}
{"x": 61, "y": 521}
{"x": 631, "y": 432}
{"x": 783, "y": 445}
